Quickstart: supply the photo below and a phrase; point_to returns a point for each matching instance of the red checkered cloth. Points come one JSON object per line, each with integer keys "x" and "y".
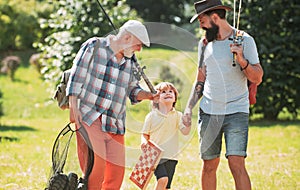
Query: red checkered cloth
{"x": 146, "y": 165}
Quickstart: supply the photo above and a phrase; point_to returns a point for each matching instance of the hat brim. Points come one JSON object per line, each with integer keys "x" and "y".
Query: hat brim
{"x": 211, "y": 8}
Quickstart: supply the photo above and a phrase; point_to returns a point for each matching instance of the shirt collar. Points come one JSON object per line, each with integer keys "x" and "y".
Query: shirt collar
{"x": 165, "y": 115}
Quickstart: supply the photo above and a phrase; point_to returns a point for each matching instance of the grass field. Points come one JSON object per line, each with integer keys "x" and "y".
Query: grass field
{"x": 32, "y": 122}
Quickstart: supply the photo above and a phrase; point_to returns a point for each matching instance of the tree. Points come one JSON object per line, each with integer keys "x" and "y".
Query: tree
{"x": 167, "y": 11}
{"x": 165, "y": 74}
{"x": 275, "y": 27}
{"x": 71, "y": 23}
{"x": 19, "y": 24}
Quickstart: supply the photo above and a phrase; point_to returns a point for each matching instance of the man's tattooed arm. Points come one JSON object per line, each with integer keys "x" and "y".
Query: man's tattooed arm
{"x": 196, "y": 94}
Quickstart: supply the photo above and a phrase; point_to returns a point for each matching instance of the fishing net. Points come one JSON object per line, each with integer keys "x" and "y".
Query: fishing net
{"x": 60, "y": 151}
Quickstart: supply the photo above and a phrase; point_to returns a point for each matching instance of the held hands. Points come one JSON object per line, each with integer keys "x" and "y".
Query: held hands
{"x": 187, "y": 117}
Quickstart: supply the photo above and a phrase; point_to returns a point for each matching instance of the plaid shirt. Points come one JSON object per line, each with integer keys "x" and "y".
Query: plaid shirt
{"x": 102, "y": 86}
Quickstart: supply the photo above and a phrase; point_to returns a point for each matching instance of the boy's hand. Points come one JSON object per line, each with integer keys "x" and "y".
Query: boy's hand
{"x": 143, "y": 147}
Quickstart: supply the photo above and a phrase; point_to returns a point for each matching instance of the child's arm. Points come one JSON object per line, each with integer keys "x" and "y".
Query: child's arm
{"x": 145, "y": 137}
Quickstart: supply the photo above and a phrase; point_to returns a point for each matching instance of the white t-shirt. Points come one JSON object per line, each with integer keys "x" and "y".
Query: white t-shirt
{"x": 225, "y": 89}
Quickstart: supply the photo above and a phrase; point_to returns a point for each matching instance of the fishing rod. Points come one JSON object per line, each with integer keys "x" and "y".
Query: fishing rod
{"x": 237, "y": 35}
{"x": 138, "y": 71}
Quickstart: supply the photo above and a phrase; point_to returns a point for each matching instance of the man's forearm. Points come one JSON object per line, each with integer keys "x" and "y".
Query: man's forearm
{"x": 142, "y": 95}
{"x": 196, "y": 94}
{"x": 73, "y": 102}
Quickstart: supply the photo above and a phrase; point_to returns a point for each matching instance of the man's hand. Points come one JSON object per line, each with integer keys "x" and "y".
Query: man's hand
{"x": 143, "y": 147}
{"x": 253, "y": 71}
{"x": 155, "y": 97}
{"x": 145, "y": 95}
{"x": 75, "y": 115}
{"x": 238, "y": 50}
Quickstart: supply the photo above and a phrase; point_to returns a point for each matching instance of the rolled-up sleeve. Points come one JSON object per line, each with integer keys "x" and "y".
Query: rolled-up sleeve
{"x": 133, "y": 95}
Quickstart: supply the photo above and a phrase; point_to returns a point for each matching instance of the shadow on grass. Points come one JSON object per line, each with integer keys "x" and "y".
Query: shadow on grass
{"x": 4, "y": 128}
{"x": 20, "y": 81}
{"x": 10, "y": 139}
{"x": 16, "y": 80}
{"x": 15, "y": 128}
{"x": 278, "y": 123}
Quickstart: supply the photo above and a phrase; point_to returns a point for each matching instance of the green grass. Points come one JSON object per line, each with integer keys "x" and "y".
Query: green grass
{"x": 32, "y": 121}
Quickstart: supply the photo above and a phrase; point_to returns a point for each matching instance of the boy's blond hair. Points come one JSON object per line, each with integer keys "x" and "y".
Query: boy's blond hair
{"x": 162, "y": 86}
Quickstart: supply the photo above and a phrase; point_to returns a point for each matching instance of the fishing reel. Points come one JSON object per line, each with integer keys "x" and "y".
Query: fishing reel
{"x": 238, "y": 40}
{"x": 137, "y": 72}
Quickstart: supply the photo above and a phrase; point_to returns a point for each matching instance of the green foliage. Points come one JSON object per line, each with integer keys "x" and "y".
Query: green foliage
{"x": 18, "y": 23}
{"x": 167, "y": 11}
{"x": 32, "y": 122}
{"x": 71, "y": 23}
{"x": 166, "y": 75}
{"x": 275, "y": 26}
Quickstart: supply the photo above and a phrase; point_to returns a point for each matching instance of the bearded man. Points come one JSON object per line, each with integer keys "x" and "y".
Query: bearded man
{"x": 221, "y": 82}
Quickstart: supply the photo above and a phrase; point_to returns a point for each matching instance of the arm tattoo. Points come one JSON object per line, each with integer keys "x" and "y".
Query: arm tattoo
{"x": 196, "y": 94}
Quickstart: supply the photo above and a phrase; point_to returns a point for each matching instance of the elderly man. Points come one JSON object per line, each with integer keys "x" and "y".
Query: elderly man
{"x": 98, "y": 92}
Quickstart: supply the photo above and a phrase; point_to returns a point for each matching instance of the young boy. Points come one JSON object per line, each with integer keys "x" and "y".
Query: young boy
{"x": 161, "y": 126}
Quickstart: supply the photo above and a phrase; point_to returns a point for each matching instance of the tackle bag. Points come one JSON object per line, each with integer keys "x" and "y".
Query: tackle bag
{"x": 252, "y": 88}
{"x": 60, "y": 92}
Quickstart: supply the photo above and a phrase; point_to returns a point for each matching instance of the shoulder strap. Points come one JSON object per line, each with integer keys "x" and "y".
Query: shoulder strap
{"x": 94, "y": 51}
{"x": 204, "y": 43}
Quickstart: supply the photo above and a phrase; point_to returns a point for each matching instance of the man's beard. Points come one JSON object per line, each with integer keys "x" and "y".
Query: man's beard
{"x": 212, "y": 32}
{"x": 128, "y": 53}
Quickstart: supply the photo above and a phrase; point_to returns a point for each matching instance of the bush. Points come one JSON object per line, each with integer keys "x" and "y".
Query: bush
{"x": 275, "y": 29}
{"x": 19, "y": 27}
{"x": 72, "y": 23}
{"x": 166, "y": 75}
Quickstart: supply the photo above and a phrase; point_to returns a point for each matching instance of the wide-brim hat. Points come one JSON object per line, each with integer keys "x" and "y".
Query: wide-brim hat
{"x": 207, "y": 5}
{"x": 138, "y": 30}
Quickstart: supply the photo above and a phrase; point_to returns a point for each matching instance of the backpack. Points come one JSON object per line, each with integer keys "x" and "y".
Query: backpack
{"x": 60, "y": 92}
{"x": 252, "y": 87}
